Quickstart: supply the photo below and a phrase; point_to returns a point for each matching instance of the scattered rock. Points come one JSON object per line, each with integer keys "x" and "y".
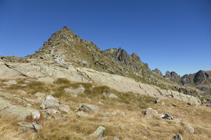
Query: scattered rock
{"x": 168, "y": 116}
{"x": 88, "y": 108}
{"x": 110, "y": 114}
{"x": 75, "y": 92}
{"x": 65, "y": 108}
{"x": 111, "y": 95}
{"x": 116, "y": 138}
{"x": 11, "y": 82}
{"x": 26, "y": 126}
{"x": 50, "y": 102}
{"x": 178, "y": 137}
{"x": 99, "y": 133}
{"x": 81, "y": 114}
{"x": 150, "y": 112}
{"x": 190, "y": 129}
{"x": 100, "y": 103}
{"x": 59, "y": 59}
{"x": 157, "y": 101}
{"x": 39, "y": 94}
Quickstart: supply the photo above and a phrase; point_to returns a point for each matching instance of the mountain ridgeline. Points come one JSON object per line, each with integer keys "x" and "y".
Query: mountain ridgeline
{"x": 83, "y": 53}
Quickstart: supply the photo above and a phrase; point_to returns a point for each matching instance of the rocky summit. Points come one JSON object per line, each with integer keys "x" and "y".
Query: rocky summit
{"x": 71, "y": 89}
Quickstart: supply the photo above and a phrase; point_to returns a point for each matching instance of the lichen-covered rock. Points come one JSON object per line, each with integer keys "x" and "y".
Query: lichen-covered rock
{"x": 99, "y": 133}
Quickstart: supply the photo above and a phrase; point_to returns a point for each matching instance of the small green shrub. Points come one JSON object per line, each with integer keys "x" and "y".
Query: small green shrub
{"x": 62, "y": 81}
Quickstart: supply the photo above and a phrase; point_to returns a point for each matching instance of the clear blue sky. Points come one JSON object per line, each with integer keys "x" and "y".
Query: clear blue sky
{"x": 172, "y": 35}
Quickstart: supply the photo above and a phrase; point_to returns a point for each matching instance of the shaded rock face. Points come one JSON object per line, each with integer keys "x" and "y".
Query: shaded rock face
{"x": 199, "y": 77}
{"x": 158, "y": 72}
{"x": 173, "y": 76}
{"x": 186, "y": 80}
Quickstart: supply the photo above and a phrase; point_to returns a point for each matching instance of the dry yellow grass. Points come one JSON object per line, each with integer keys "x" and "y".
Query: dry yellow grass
{"x": 131, "y": 126}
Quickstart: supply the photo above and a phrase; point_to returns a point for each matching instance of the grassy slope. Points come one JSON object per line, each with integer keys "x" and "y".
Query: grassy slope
{"x": 133, "y": 125}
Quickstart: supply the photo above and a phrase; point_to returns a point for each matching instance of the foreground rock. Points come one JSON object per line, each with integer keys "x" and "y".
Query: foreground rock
{"x": 178, "y": 137}
{"x": 18, "y": 111}
{"x": 99, "y": 133}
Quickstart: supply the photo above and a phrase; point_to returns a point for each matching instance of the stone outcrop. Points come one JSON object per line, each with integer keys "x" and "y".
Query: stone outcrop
{"x": 158, "y": 72}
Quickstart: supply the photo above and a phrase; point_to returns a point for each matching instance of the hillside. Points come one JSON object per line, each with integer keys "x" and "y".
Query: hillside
{"x": 70, "y": 89}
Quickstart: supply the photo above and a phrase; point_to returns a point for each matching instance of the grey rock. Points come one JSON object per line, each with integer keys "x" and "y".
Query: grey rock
{"x": 158, "y": 72}
{"x": 150, "y": 112}
{"x": 11, "y": 82}
{"x": 116, "y": 138}
{"x": 65, "y": 108}
{"x": 190, "y": 129}
{"x": 178, "y": 137}
{"x": 168, "y": 116}
{"x": 81, "y": 114}
{"x": 111, "y": 95}
{"x": 39, "y": 94}
{"x": 50, "y": 102}
{"x": 88, "y": 108}
{"x": 99, "y": 133}
{"x": 199, "y": 77}
{"x": 75, "y": 92}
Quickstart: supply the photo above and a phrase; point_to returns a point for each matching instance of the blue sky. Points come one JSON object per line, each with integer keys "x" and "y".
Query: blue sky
{"x": 172, "y": 35}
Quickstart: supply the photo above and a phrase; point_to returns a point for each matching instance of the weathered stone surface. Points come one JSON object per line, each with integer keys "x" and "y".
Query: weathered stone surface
{"x": 178, "y": 137}
{"x": 88, "y": 108}
{"x": 117, "y": 82}
{"x": 7, "y": 108}
{"x": 47, "y": 80}
{"x": 50, "y": 102}
{"x": 99, "y": 133}
{"x": 150, "y": 112}
{"x": 26, "y": 126}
